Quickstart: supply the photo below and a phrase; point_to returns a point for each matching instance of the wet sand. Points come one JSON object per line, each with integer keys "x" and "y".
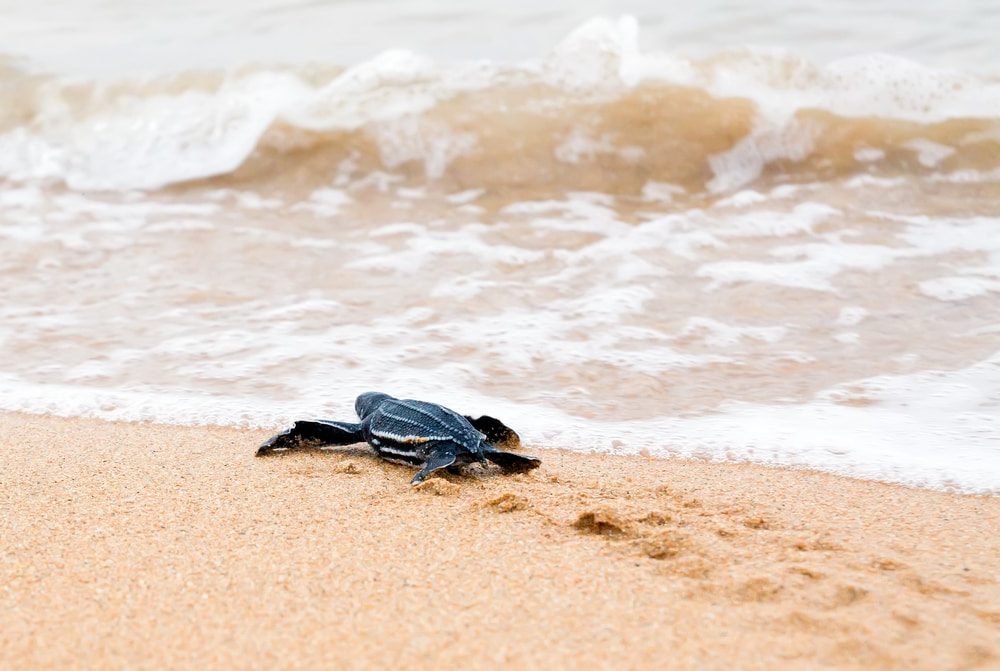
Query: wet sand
{"x": 146, "y": 546}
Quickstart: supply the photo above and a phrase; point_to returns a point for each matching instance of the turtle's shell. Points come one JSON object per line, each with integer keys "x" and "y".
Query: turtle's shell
{"x": 408, "y": 430}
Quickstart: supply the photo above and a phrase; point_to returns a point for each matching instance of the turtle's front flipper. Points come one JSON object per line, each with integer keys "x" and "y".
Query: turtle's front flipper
{"x": 326, "y": 432}
{"x": 510, "y": 462}
{"x": 497, "y": 433}
{"x": 438, "y": 460}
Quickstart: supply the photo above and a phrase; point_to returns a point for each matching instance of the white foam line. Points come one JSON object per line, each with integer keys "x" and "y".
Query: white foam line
{"x": 935, "y": 429}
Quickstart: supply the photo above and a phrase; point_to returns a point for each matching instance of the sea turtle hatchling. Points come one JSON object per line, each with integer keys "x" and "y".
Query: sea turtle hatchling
{"x": 415, "y": 433}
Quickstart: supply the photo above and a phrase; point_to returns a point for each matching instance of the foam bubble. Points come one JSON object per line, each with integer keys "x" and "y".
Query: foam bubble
{"x": 717, "y": 334}
{"x": 958, "y": 288}
{"x": 929, "y": 153}
{"x": 851, "y": 315}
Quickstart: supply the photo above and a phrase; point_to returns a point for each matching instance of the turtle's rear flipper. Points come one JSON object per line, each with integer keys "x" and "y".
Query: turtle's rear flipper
{"x": 497, "y": 433}
{"x": 326, "y": 432}
{"x": 437, "y": 461}
{"x": 512, "y": 463}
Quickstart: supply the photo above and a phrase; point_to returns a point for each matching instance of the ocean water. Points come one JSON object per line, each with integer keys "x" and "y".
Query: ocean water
{"x": 761, "y": 231}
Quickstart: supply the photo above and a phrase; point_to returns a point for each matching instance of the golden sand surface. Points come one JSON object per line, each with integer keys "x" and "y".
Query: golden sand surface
{"x": 143, "y": 546}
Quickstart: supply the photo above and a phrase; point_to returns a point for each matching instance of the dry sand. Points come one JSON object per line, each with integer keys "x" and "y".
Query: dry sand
{"x": 143, "y": 546}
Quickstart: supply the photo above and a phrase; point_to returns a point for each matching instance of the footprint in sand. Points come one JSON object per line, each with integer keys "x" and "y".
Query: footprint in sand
{"x": 663, "y": 545}
{"x": 977, "y": 656}
{"x": 930, "y": 588}
{"x": 816, "y": 545}
{"x": 657, "y": 543}
{"x": 885, "y": 564}
{"x": 756, "y": 523}
{"x": 656, "y": 518}
{"x": 757, "y": 590}
{"x": 347, "y": 467}
{"x": 603, "y": 522}
{"x": 509, "y": 502}
{"x": 810, "y": 573}
{"x": 846, "y": 595}
{"x": 989, "y": 616}
{"x": 906, "y": 619}
{"x": 438, "y": 487}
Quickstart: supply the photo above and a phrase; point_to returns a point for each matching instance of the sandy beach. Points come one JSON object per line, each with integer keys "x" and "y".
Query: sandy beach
{"x": 731, "y": 272}
{"x": 146, "y": 546}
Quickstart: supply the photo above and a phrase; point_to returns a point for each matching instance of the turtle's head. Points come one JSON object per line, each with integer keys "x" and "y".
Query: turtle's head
{"x": 368, "y": 402}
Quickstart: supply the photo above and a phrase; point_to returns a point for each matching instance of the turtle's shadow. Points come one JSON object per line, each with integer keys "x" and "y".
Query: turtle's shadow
{"x": 478, "y": 472}
{"x": 314, "y": 448}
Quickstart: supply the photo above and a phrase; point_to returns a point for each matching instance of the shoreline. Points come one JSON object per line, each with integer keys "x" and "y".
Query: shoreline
{"x": 144, "y": 545}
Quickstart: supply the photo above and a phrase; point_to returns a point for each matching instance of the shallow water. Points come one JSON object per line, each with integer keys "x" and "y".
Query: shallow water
{"x": 667, "y": 243}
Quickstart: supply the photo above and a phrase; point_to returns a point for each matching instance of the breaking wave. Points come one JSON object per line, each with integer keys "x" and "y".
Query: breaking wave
{"x": 594, "y": 114}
